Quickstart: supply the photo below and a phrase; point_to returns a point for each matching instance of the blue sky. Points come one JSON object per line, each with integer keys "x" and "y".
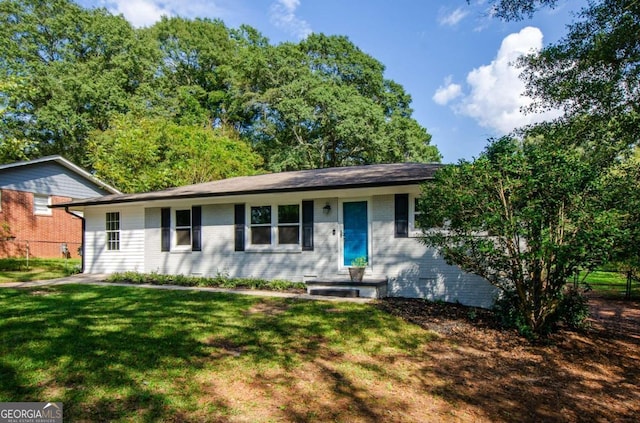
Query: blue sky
{"x": 451, "y": 56}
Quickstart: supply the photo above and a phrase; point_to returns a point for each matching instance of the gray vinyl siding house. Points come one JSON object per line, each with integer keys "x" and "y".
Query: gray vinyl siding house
{"x": 299, "y": 226}
{"x": 52, "y": 175}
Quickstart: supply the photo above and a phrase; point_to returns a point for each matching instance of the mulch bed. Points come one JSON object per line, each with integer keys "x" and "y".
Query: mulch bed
{"x": 591, "y": 375}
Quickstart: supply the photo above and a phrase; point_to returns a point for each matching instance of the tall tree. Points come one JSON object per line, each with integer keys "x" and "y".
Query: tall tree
{"x": 595, "y": 69}
{"x": 524, "y": 215}
{"x": 519, "y": 9}
{"x": 74, "y": 71}
{"x": 145, "y": 154}
{"x": 76, "y": 66}
{"x": 593, "y": 74}
{"x": 195, "y": 64}
{"x": 326, "y": 103}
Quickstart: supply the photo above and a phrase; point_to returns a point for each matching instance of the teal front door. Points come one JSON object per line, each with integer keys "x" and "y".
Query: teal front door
{"x": 356, "y": 233}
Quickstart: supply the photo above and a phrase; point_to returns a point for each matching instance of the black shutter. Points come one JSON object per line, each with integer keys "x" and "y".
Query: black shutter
{"x": 196, "y": 228}
{"x": 307, "y": 225}
{"x": 239, "y": 227}
{"x": 165, "y": 223}
{"x": 402, "y": 216}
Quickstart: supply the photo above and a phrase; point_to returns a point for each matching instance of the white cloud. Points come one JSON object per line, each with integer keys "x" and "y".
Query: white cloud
{"x": 452, "y": 18}
{"x": 140, "y": 12}
{"x": 496, "y": 95}
{"x": 283, "y": 16}
{"x": 447, "y": 92}
{"x": 146, "y": 12}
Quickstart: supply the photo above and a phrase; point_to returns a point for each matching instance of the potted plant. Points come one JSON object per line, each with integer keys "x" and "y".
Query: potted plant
{"x": 356, "y": 270}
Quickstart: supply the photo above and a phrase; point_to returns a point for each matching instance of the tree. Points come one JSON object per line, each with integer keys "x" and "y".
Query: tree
{"x": 594, "y": 70}
{"x": 74, "y": 66}
{"x": 194, "y": 68}
{"x": 518, "y": 9}
{"x": 620, "y": 192}
{"x": 146, "y": 154}
{"x": 593, "y": 74}
{"x": 72, "y": 71}
{"x": 323, "y": 102}
{"x": 525, "y": 215}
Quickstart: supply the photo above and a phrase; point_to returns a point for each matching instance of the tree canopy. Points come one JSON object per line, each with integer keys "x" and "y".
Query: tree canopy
{"x": 525, "y": 215}
{"x": 69, "y": 75}
{"x": 147, "y": 154}
{"x": 533, "y": 211}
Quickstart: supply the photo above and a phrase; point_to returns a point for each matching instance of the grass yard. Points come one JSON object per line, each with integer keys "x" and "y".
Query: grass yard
{"x": 133, "y": 354}
{"x": 16, "y": 269}
{"x": 611, "y": 284}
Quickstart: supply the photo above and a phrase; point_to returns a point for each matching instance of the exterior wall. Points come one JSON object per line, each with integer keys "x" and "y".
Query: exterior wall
{"x": 218, "y": 255}
{"x": 41, "y": 234}
{"x": 130, "y": 256}
{"x": 49, "y": 178}
{"x": 416, "y": 271}
{"x": 412, "y": 269}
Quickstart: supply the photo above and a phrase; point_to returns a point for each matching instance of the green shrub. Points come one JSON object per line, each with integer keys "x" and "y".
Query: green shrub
{"x": 509, "y": 315}
{"x": 573, "y": 309}
{"x": 282, "y": 285}
{"x": 220, "y": 281}
{"x": 72, "y": 270}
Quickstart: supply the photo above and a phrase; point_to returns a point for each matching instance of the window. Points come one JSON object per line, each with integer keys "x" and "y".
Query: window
{"x": 41, "y": 203}
{"x": 188, "y": 229}
{"x": 289, "y": 224}
{"x": 415, "y": 214}
{"x": 401, "y": 215}
{"x": 261, "y": 225}
{"x": 183, "y": 227}
{"x": 268, "y": 227}
{"x": 113, "y": 231}
{"x": 407, "y": 214}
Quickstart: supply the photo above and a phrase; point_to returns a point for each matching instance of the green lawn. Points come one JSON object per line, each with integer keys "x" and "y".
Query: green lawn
{"x": 17, "y": 270}
{"x": 611, "y": 283}
{"x": 131, "y": 354}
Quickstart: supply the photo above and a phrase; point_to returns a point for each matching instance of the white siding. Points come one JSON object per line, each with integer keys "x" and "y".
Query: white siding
{"x": 130, "y": 256}
{"x": 413, "y": 270}
{"x": 417, "y": 271}
{"x": 218, "y": 255}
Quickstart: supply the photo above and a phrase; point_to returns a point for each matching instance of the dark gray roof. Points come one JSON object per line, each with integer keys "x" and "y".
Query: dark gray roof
{"x": 303, "y": 180}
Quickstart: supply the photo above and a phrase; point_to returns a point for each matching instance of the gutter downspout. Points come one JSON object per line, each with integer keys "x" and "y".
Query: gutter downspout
{"x": 66, "y": 209}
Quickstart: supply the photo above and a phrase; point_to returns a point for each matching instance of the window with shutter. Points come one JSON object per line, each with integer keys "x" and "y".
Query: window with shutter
{"x": 401, "y": 215}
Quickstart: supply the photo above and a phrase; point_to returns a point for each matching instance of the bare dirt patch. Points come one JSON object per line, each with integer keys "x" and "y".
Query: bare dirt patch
{"x": 269, "y": 308}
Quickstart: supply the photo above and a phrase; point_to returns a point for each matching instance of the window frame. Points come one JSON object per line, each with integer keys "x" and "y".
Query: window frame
{"x": 175, "y": 228}
{"x": 260, "y": 226}
{"x": 273, "y": 225}
{"x": 115, "y": 242}
{"x": 296, "y": 225}
{"x": 46, "y": 211}
{"x": 414, "y": 230}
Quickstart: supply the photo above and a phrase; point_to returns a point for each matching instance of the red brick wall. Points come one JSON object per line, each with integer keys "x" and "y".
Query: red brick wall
{"x": 42, "y": 233}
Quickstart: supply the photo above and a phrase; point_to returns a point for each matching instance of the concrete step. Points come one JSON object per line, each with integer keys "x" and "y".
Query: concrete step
{"x": 336, "y": 292}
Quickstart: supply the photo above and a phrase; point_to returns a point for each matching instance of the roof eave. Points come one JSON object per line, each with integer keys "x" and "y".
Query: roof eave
{"x": 163, "y": 196}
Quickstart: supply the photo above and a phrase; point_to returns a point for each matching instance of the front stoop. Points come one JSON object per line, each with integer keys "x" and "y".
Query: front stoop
{"x": 342, "y": 287}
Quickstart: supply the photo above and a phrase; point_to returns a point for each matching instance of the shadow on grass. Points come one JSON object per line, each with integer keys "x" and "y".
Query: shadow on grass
{"x": 113, "y": 353}
{"x": 584, "y": 376}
